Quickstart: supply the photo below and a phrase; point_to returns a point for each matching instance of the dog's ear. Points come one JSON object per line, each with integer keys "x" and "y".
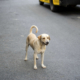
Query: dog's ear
{"x": 39, "y": 37}
{"x": 49, "y": 37}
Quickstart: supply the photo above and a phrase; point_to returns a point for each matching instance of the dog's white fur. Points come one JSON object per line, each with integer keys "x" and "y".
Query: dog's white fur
{"x": 38, "y": 44}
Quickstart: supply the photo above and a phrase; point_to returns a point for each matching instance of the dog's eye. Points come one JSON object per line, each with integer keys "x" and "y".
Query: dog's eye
{"x": 47, "y": 37}
{"x": 43, "y": 38}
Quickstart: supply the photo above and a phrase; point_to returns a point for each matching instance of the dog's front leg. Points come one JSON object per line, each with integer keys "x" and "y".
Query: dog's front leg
{"x": 42, "y": 60}
{"x": 35, "y": 55}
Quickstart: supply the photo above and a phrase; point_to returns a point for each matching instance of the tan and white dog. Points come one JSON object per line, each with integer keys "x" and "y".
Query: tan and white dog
{"x": 38, "y": 44}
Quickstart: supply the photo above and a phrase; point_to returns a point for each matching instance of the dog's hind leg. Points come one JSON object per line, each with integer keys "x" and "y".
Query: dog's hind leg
{"x": 37, "y": 57}
{"x": 27, "y": 45}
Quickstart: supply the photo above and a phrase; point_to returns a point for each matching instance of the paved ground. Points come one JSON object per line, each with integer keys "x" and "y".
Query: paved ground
{"x": 62, "y": 56}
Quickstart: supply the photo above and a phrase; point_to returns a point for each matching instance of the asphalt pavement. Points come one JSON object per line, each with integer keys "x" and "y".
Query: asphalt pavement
{"x": 62, "y": 56}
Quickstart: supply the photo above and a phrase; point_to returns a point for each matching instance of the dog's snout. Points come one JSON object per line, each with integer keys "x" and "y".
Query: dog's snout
{"x": 47, "y": 42}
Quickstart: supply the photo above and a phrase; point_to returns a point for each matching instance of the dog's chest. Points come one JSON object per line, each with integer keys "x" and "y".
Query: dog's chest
{"x": 41, "y": 49}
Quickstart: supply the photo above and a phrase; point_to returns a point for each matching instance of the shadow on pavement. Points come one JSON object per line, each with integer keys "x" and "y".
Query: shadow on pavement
{"x": 66, "y": 10}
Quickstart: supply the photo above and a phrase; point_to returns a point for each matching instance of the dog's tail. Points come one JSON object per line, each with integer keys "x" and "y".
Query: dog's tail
{"x": 33, "y": 26}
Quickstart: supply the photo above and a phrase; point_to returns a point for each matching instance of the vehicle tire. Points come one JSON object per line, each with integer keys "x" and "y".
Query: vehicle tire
{"x": 53, "y": 7}
{"x": 41, "y": 3}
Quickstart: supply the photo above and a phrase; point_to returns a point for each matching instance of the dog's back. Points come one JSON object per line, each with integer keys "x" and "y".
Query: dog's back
{"x": 32, "y": 37}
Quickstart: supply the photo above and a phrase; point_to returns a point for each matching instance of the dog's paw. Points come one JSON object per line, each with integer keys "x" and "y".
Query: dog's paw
{"x": 25, "y": 59}
{"x": 43, "y": 66}
{"x": 35, "y": 67}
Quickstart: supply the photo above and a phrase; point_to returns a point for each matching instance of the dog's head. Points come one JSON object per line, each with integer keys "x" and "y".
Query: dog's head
{"x": 44, "y": 38}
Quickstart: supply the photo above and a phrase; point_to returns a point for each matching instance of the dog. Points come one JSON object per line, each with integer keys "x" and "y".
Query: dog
{"x": 38, "y": 44}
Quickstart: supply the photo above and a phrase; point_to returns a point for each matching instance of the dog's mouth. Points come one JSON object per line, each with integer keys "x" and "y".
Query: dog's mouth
{"x": 45, "y": 43}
